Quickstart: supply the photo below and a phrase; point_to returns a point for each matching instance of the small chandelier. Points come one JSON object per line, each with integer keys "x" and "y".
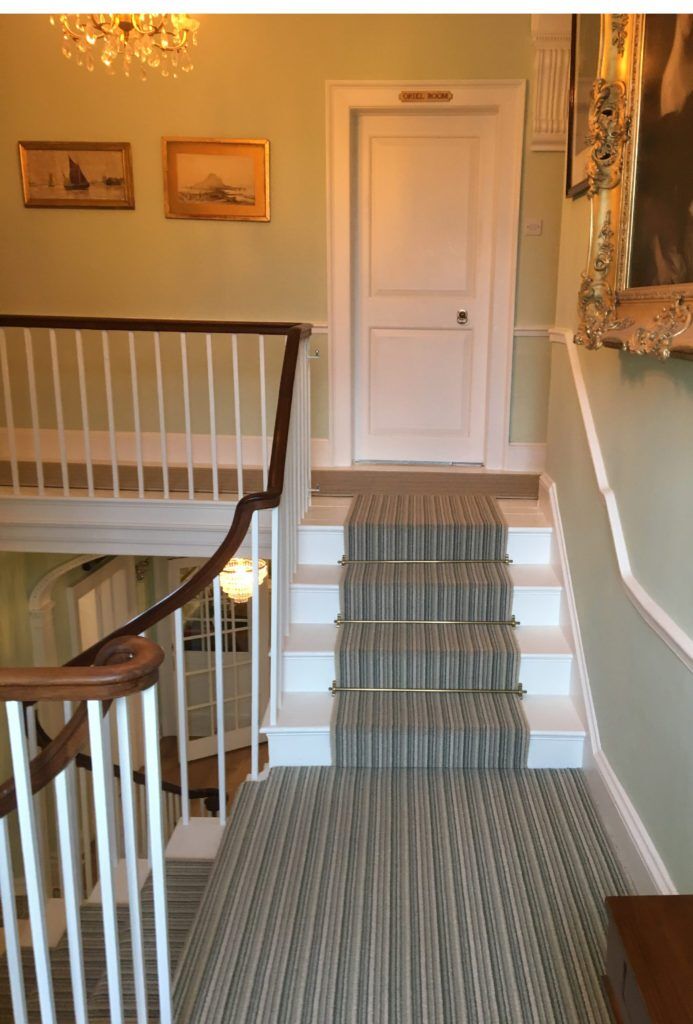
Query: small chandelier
{"x": 159, "y": 41}
{"x": 236, "y": 578}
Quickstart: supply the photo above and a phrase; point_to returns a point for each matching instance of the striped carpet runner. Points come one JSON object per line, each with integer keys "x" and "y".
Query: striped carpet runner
{"x": 426, "y": 605}
{"x": 348, "y": 896}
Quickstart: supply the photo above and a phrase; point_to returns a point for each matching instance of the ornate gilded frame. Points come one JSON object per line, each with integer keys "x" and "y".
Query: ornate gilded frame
{"x": 644, "y": 321}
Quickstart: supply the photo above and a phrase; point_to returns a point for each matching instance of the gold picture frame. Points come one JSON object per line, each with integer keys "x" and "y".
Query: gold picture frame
{"x": 637, "y": 291}
{"x": 216, "y": 179}
{"x": 77, "y": 175}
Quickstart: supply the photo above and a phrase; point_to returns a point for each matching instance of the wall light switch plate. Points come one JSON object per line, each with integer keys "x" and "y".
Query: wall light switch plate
{"x": 534, "y": 227}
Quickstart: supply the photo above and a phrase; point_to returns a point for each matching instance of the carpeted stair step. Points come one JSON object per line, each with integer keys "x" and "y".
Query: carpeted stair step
{"x": 429, "y": 730}
{"x": 424, "y": 526}
{"x": 450, "y": 591}
{"x": 427, "y": 655}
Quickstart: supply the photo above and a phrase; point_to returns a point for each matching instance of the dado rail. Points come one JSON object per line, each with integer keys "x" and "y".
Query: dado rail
{"x": 110, "y": 692}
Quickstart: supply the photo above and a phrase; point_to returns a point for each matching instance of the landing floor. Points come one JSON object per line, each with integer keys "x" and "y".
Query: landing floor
{"x": 350, "y": 896}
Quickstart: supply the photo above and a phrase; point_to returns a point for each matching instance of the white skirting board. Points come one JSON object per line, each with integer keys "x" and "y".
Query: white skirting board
{"x": 634, "y": 846}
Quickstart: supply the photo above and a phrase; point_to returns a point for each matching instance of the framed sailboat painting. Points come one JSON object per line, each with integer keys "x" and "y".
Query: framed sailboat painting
{"x": 83, "y": 175}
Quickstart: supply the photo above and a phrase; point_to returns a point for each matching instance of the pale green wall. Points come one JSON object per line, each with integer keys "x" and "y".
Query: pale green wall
{"x": 643, "y": 695}
{"x": 19, "y": 574}
{"x": 255, "y": 76}
{"x": 529, "y": 401}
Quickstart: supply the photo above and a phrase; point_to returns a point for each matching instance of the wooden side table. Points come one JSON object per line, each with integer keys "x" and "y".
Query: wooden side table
{"x": 649, "y": 959}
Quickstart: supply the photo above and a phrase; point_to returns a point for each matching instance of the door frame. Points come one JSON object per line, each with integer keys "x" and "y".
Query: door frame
{"x": 344, "y": 101}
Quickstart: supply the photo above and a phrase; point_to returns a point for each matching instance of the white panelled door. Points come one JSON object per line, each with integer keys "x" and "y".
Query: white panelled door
{"x": 423, "y": 285}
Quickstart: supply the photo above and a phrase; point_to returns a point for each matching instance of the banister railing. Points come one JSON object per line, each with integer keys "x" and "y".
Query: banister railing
{"x": 109, "y": 675}
{"x": 122, "y": 406}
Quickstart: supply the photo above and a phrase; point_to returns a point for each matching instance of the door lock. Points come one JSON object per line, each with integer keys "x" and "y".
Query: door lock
{"x": 462, "y": 316}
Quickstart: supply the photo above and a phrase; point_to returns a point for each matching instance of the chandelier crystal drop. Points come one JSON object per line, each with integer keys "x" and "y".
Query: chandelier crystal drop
{"x": 236, "y": 578}
{"x": 129, "y": 41}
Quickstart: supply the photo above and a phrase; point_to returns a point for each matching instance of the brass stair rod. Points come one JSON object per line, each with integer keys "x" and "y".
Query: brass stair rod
{"x": 505, "y": 560}
{"x": 339, "y": 621}
{"x": 516, "y": 692}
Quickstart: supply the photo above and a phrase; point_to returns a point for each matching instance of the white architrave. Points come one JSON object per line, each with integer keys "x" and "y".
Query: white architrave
{"x": 551, "y": 35}
{"x": 344, "y": 99}
{"x": 41, "y": 604}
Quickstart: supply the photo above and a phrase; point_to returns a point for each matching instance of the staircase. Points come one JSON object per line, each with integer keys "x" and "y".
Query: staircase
{"x": 359, "y": 889}
{"x": 551, "y": 703}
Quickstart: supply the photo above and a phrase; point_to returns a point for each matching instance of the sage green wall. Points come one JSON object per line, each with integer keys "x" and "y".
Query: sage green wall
{"x": 255, "y": 76}
{"x": 19, "y": 574}
{"x": 643, "y": 694}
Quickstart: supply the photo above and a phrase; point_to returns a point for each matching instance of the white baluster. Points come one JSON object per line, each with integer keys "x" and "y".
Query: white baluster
{"x": 309, "y": 432}
{"x": 33, "y": 402}
{"x": 212, "y": 419}
{"x": 113, "y": 830}
{"x": 102, "y": 772}
{"x": 134, "y": 388}
{"x": 181, "y": 696}
{"x": 39, "y": 802}
{"x": 275, "y": 628}
{"x": 71, "y": 893}
{"x": 30, "y": 855}
{"x": 71, "y": 772}
{"x": 85, "y": 412}
{"x": 9, "y": 412}
{"x": 255, "y": 668}
{"x": 162, "y": 412}
{"x": 219, "y": 691}
{"x": 237, "y": 414}
{"x": 263, "y": 407}
{"x": 108, "y": 379}
{"x": 156, "y": 850}
{"x": 186, "y": 411}
{"x": 59, "y": 418}
{"x": 130, "y": 844}
{"x": 13, "y": 953}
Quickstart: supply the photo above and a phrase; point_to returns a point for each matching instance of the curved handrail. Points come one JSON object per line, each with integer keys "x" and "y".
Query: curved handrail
{"x": 125, "y": 665}
{"x": 64, "y": 747}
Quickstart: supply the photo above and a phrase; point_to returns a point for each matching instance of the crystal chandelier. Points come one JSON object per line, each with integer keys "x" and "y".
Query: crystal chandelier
{"x": 236, "y": 578}
{"x": 159, "y": 41}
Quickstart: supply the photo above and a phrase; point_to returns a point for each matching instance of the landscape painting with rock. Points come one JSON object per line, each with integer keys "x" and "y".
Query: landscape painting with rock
{"x": 217, "y": 179}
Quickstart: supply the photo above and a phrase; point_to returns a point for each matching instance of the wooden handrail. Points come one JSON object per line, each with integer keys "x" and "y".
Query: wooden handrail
{"x": 95, "y": 323}
{"x": 63, "y": 748}
{"x": 125, "y": 665}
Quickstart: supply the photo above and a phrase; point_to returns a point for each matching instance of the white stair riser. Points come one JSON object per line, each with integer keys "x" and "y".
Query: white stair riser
{"x": 318, "y": 604}
{"x": 324, "y": 545}
{"x": 545, "y": 675}
{"x": 537, "y": 606}
{"x": 556, "y": 751}
{"x": 299, "y": 749}
{"x": 320, "y": 545}
{"x": 533, "y": 606}
{"x": 529, "y": 547}
{"x": 303, "y": 749}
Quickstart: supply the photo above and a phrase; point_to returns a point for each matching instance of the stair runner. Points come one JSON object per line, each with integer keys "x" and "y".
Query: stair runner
{"x": 426, "y": 605}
